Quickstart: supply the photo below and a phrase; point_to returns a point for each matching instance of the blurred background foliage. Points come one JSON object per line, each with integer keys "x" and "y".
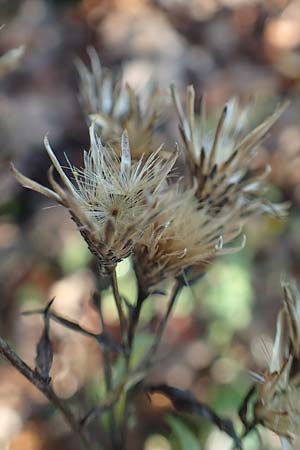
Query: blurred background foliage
{"x": 224, "y": 323}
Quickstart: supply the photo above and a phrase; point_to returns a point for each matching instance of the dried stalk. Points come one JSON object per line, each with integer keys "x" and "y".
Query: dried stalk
{"x": 119, "y": 306}
{"x": 147, "y": 361}
{"x": 135, "y": 316}
{"x": 7, "y": 352}
{"x": 115, "y": 439}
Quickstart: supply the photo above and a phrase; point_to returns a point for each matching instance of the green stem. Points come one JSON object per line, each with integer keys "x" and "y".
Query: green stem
{"x": 147, "y": 362}
{"x": 119, "y": 306}
{"x": 114, "y": 436}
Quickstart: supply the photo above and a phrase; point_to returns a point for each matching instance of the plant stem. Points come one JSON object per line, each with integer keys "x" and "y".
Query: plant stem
{"x": 148, "y": 359}
{"x": 109, "y": 386}
{"x": 7, "y": 352}
{"x": 135, "y": 315}
{"x": 119, "y": 306}
{"x": 132, "y": 326}
{"x": 124, "y": 336}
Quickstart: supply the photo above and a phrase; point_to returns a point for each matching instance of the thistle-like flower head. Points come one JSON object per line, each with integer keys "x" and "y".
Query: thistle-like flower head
{"x": 112, "y": 199}
{"x": 187, "y": 237}
{"x": 114, "y": 107}
{"x": 278, "y": 403}
{"x": 220, "y": 159}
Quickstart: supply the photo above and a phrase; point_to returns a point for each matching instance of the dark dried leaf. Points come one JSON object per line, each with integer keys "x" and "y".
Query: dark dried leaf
{"x": 44, "y": 350}
{"x": 185, "y": 402}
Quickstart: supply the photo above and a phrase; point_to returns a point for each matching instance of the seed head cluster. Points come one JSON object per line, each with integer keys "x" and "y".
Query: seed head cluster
{"x": 130, "y": 198}
{"x": 114, "y": 106}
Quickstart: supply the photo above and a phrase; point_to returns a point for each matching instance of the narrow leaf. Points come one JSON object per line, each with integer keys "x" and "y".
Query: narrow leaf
{"x": 44, "y": 350}
{"x": 184, "y": 401}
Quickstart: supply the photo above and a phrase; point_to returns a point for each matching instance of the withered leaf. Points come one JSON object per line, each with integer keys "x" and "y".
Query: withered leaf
{"x": 44, "y": 350}
{"x": 185, "y": 402}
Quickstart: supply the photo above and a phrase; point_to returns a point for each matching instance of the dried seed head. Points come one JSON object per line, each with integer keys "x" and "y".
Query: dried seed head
{"x": 112, "y": 199}
{"x": 220, "y": 160}
{"x": 278, "y": 403}
{"x": 187, "y": 236}
{"x": 114, "y": 107}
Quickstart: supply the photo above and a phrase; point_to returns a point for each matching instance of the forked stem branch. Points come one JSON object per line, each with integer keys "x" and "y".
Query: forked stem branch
{"x": 45, "y": 388}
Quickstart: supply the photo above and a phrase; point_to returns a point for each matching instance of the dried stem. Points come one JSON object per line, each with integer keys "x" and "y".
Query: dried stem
{"x": 127, "y": 338}
{"x": 109, "y": 385}
{"x": 132, "y": 326}
{"x": 7, "y": 352}
{"x": 148, "y": 359}
{"x": 135, "y": 315}
{"x": 119, "y": 306}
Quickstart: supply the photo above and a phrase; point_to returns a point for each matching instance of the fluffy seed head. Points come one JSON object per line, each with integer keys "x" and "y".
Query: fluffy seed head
{"x": 112, "y": 199}
{"x": 188, "y": 236}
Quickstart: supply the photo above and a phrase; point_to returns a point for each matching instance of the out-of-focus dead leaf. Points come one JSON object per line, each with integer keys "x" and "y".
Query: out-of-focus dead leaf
{"x": 44, "y": 350}
{"x": 185, "y": 402}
